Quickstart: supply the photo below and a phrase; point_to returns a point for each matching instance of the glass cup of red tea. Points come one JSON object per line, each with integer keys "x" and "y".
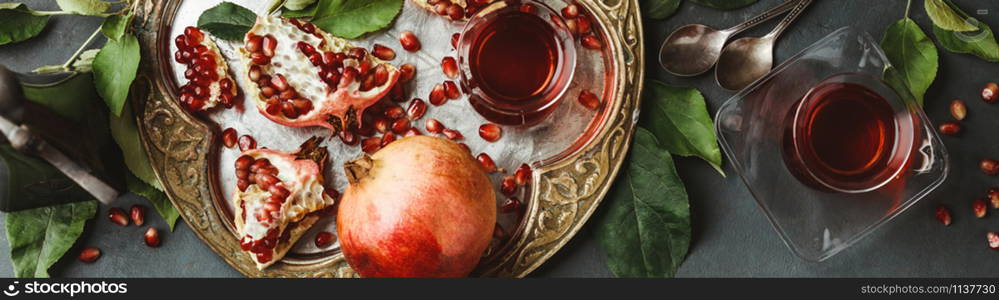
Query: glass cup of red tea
{"x": 516, "y": 61}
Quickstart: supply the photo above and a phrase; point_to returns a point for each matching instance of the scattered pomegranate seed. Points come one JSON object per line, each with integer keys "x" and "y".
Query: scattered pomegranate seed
{"x": 511, "y": 204}
{"x": 487, "y": 162}
{"x": 993, "y": 239}
{"x": 591, "y": 42}
{"x": 417, "y": 108}
{"x": 943, "y": 215}
{"x": 454, "y": 40}
{"x": 441, "y": 7}
{"x": 589, "y": 100}
{"x": 382, "y": 52}
{"x": 528, "y": 8}
{"x": 400, "y": 126}
{"x": 138, "y": 214}
{"x": 451, "y": 90}
{"x": 409, "y": 41}
{"x": 89, "y": 254}
{"x": 950, "y": 128}
{"x": 371, "y": 145}
{"x": 455, "y": 12}
{"x": 958, "y": 110}
{"x": 437, "y": 96}
{"x": 387, "y": 138}
{"x": 407, "y": 72}
{"x": 990, "y": 92}
{"x": 994, "y": 197}
{"x": 450, "y": 67}
{"x": 452, "y": 134}
{"x": 572, "y": 26}
{"x": 247, "y": 142}
{"x": 523, "y": 174}
{"x": 989, "y": 166}
{"x": 509, "y": 186}
{"x": 152, "y": 237}
{"x": 490, "y": 132}
{"x": 395, "y": 112}
{"x": 570, "y": 11}
{"x": 583, "y": 25}
{"x": 381, "y": 125}
{"x": 434, "y": 126}
{"x": 978, "y": 206}
{"x": 412, "y": 132}
{"x": 324, "y": 239}
{"x": 229, "y": 137}
{"x": 117, "y": 216}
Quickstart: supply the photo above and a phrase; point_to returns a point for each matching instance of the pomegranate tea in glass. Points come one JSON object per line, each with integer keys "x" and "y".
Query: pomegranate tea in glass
{"x": 516, "y": 62}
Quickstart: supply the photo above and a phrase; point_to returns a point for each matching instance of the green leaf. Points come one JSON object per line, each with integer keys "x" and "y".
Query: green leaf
{"x": 227, "y": 21}
{"x": 307, "y": 12}
{"x": 19, "y": 23}
{"x": 659, "y": 9}
{"x": 724, "y": 4}
{"x": 679, "y": 118}
{"x": 114, "y": 71}
{"x": 32, "y": 181}
{"x": 353, "y": 18}
{"x": 979, "y": 42}
{"x": 912, "y": 54}
{"x": 126, "y": 134}
{"x": 114, "y": 27}
{"x": 298, "y": 4}
{"x": 944, "y": 17}
{"x": 156, "y": 197}
{"x": 84, "y": 7}
{"x": 39, "y": 237}
{"x": 645, "y": 228}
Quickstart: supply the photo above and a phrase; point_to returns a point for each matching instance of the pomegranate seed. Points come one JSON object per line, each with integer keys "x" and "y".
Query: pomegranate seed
{"x": 382, "y": 52}
{"x": 589, "y": 100}
{"x": 152, "y": 237}
{"x": 950, "y": 128}
{"x": 994, "y": 197}
{"x": 370, "y": 145}
{"x": 943, "y": 215}
{"x": 455, "y": 12}
{"x": 409, "y": 41}
{"x": 357, "y": 53}
{"x": 591, "y": 42}
{"x": 979, "y": 208}
{"x": 247, "y": 142}
{"x": 570, "y": 24}
{"x": 490, "y": 132}
{"x": 138, "y": 214}
{"x": 583, "y": 25}
{"x": 254, "y": 73}
{"x": 487, "y": 162}
{"x": 407, "y": 72}
{"x": 381, "y": 125}
{"x": 253, "y": 43}
{"x": 450, "y": 67}
{"x": 509, "y": 186}
{"x": 89, "y": 254}
{"x": 511, "y": 204}
{"x": 324, "y": 239}
{"x": 279, "y": 82}
{"x": 387, "y": 138}
{"x": 993, "y": 239}
{"x": 434, "y": 126}
{"x": 523, "y": 174}
{"x": 454, "y": 40}
{"x": 259, "y": 58}
{"x": 989, "y": 166}
{"x": 570, "y": 11}
{"x": 229, "y": 137}
{"x": 400, "y": 125}
{"x": 958, "y": 110}
{"x": 990, "y": 92}
{"x": 441, "y": 7}
{"x": 452, "y": 134}
{"x": 437, "y": 96}
{"x": 395, "y": 112}
{"x": 417, "y": 108}
{"x": 451, "y": 90}
{"x": 529, "y": 8}
{"x": 194, "y": 35}
{"x": 412, "y": 132}
{"x": 117, "y": 216}
{"x": 269, "y": 44}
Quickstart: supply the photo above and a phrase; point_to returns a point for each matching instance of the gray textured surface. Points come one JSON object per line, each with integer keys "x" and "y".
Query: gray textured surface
{"x": 731, "y": 235}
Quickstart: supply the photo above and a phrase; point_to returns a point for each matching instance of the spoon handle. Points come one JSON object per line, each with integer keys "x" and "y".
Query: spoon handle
{"x": 767, "y": 15}
{"x": 789, "y": 18}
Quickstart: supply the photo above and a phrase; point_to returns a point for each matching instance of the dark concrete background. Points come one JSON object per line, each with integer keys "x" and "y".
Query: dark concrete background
{"x": 732, "y": 238}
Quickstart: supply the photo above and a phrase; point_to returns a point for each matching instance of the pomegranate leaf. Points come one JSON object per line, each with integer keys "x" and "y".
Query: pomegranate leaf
{"x": 724, "y": 4}
{"x": 114, "y": 71}
{"x": 114, "y": 26}
{"x": 39, "y": 237}
{"x": 658, "y": 9}
{"x": 307, "y": 12}
{"x": 84, "y": 7}
{"x": 979, "y": 42}
{"x": 943, "y": 16}
{"x": 298, "y": 4}
{"x": 645, "y": 226}
{"x": 351, "y": 19}
{"x": 913, "y": 56}
{"x": 156, "y": 197}
{"x": 227, "y": 21}
{"x": 126, "y": 134}
{"x": 19, "y": 23}
{"x": 679, "y": 118}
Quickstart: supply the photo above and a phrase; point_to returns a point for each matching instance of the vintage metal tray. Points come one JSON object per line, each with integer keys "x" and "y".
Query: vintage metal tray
{"x": 566, "y": 186}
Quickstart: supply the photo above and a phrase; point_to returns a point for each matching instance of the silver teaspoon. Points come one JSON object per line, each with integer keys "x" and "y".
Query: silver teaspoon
{"x": 692, "y": 49}
{"x": 747, "y": 59}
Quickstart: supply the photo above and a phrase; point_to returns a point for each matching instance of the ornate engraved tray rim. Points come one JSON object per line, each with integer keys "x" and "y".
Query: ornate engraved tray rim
{"x": 565, "y": 191}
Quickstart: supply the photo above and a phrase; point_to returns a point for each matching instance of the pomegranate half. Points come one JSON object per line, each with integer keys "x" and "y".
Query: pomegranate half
{"x": 306, "y": 77}
{"x": 208, "y": 77}
{"x": 420, "y": 207}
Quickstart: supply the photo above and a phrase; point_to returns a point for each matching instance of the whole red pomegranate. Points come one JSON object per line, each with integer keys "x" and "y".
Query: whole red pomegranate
{"x": 420, "y": 207}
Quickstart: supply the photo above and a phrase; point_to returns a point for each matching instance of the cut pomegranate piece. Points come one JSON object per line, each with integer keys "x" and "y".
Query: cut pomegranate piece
{"x": 490, "y": 132}
{"x": 312, "y": 78}
{"x": 278, "y": 197}
{"x": 409, "y": 41}
{"x": 209, "y": 82}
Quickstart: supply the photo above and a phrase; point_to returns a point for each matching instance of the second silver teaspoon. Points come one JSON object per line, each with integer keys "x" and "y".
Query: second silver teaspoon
{"x": 747, "y": 59}
{"x": 692, "y": 49}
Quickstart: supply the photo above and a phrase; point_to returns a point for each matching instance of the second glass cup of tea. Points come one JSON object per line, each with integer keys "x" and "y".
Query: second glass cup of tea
{"x": 516, "y": 62}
